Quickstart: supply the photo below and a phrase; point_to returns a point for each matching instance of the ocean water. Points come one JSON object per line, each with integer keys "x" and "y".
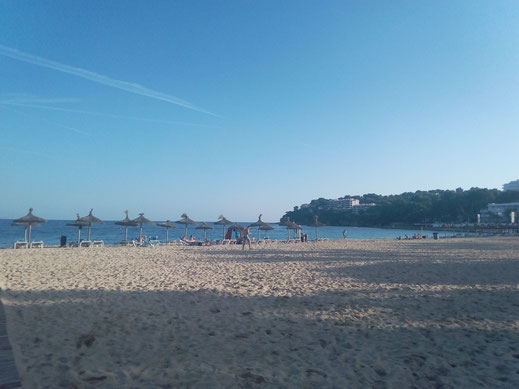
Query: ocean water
{"x": 111, "y": 233}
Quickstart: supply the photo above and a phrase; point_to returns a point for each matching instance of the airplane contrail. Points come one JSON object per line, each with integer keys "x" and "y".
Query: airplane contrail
{"x": 17, "y": 150}
{"x": 98, "y": 78}
{"x": 76, "y": 130}
{"x": 111, "y": 115}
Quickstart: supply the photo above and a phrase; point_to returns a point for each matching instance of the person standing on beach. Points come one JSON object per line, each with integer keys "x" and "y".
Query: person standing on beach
{"x": 245, "y": 237}
{"x": 344, "y": 234}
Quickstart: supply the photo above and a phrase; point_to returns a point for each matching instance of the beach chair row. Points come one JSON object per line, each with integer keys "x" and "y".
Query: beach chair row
{"x": 25, "y": 245}
{"x": 152, "y": 243}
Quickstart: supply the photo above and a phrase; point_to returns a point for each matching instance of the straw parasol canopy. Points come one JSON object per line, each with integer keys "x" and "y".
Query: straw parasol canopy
{"x": 90, "y": 219}
{"x": 204, "y": 227}
{"x": 28, "y": 221}
{"x": 186, "y": 221}
{"x": 25, "y": 225}
{"x": 284, "y": 222}
{"x": 260, "y": 223}
{"x": 223, "y": 221}
{"x": 141, "y": 220}
{"x": 292, "y": 226}
{"x": 266, "y": 228}
{"x": 167, "y": 224}
{"x": 316, "y": 224}
{"x": 236, "y": 227}
{"x": 79, "y": 224}
{"x": 126, "y": 222}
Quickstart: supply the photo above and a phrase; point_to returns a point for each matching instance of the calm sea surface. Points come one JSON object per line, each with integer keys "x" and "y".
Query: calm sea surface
{"x": 111, "y": 233}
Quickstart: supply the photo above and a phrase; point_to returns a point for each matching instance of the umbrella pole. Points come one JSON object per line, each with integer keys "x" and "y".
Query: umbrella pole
{"x": 223, "y": 232}
{"x": 29, "y": 239}
{"x": 288, "y": 229}
{"x": 78, "y": 235}
{"x": 140, "y": 234}
{"x": 89, "y": 227}
{"x": 316, "y": 236}
{"x": 167, "y": 234}
{"x": 25, "y": 233}
{"x": 185, "y": 233}
{"x": 126, "y": 233}
{"x": 259, "y": 232}
{"x": 204, "y": 235}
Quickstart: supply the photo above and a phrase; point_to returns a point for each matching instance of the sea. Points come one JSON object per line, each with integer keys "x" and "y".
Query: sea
{"x": 109, "y": 232}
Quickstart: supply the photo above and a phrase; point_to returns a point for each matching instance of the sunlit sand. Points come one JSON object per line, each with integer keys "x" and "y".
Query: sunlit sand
{"x": 345, "y": 314}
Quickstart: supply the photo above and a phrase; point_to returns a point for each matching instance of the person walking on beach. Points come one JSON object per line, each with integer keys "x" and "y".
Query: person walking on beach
{"x": 245, "y": 237}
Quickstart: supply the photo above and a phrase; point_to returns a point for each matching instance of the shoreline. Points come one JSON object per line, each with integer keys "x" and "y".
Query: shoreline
{"x": 277, "y": 242}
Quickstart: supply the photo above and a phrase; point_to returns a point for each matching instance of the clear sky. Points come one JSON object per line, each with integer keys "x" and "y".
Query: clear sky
{"x": 247, "y": 107}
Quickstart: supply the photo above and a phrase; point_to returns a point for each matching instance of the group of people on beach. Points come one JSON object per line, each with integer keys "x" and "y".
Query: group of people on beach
{"x": 415, "y": 236}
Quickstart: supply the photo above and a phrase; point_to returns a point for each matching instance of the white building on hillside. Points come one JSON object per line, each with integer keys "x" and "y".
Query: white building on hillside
{"x": 498, "y": 212}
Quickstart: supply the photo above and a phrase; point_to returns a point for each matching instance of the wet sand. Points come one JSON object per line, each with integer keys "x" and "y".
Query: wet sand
{"x": 349, "y": 313}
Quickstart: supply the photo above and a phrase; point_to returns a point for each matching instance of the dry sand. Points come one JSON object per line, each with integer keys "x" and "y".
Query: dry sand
{"x": 343, "y": 314}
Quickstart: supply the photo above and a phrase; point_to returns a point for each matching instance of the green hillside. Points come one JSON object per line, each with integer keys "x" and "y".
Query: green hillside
{"x": 421, "y": 207}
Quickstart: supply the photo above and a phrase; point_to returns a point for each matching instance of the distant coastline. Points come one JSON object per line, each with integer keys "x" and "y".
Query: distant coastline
{"x": 441, "y": 209}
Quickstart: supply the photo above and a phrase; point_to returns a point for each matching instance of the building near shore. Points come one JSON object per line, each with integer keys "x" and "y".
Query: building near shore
{"x": 499, "y": 213}
{"x": 340, "y": 204}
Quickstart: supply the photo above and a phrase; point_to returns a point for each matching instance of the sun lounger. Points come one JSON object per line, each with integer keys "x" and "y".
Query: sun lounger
{"x": 153, "y": 242}
{"x": 188, "y": 243}
{"x": 20, "y": 245}
{"x": 98, "y": 243}
{"x": 127, "y": 243}
{"x": 37, "y": 245}
{"x": 85, "y": 243}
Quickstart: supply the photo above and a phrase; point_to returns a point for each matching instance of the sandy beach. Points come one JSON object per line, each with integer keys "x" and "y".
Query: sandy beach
{"x": 338, "y": 314}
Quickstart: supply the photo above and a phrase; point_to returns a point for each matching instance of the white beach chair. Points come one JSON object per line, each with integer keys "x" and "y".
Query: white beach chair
{"x": 85, "y": 243}
{"x": 20, "y": 245}
{"x": 98, "y": 243}
{"x": 37, "y": 245}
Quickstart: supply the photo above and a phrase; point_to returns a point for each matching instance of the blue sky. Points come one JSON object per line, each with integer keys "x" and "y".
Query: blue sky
{"x": 248, "y": 107}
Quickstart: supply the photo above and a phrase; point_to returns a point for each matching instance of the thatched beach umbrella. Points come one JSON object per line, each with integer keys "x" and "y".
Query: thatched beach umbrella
{"x": 266, "y": 228}
{"x": 25, "y": 225}
{"x": 29, "y": 220}
{"x": 141, "y": 220}
{"x": 285, "y": 221}
{"x": 167, "y": 224}
{"x": 185, "y": 220}
{"x": 126, "y": 222}
{"x": 258, "y": 224}
{"x": 79, "y": 224}
{"x": 90, "y": 219}
{"x": 204, "y": 227}
{"x": 223, "y": 221}
{"x": 316, "y": 224}
{"x": 236, "y": 227}
{"x": 292, "y": 226}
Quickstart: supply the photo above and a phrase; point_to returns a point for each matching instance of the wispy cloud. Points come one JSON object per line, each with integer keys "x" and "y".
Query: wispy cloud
{"x": 73, "y": 129}
{"x": 98, "y": 78}
{"x": 22, "y": 98}
{"x": 52, "y": 108}
{"x": 17, "y": 150}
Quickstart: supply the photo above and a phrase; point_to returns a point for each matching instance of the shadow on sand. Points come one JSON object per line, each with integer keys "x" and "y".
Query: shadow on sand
{"x": 383, "y": 332}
